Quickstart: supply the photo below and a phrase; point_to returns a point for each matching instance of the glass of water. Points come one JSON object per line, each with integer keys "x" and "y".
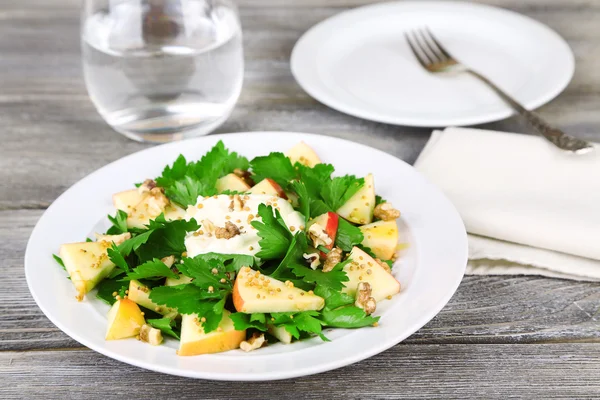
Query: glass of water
{"x": 162, "y": 70}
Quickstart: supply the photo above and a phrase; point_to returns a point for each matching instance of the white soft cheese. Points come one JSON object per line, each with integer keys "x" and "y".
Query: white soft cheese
{"x": 216, "y": 209}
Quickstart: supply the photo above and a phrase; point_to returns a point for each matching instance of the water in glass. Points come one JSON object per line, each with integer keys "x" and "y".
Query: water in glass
{"x": 160, "y": 70}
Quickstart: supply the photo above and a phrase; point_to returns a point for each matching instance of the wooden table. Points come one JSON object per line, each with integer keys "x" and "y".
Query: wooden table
{"x": 499, "y": 337}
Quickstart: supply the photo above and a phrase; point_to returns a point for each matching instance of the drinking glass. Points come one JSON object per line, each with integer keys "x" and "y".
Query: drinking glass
{"x": 162, "y": 70}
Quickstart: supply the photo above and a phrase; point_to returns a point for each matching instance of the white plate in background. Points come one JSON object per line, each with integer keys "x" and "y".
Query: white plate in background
{"x": 359, "y": 63}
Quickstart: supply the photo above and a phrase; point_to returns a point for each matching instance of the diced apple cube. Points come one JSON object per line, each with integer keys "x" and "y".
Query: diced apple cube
{"x": 381, "y": 237}
{"x": 124, "y": 320}
{"x": 303, "y": 154}
{"x": 364, "y": 268}
{"x": 194, "y": 341}
{"x": 359, "y": 208}
{"x": 233, "y": 183}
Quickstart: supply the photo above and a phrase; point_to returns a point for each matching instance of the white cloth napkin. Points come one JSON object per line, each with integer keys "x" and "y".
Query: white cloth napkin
{"x": 529, "y": 208}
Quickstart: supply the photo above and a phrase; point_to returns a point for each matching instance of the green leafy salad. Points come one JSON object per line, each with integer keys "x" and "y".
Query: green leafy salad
{"x": 225, "y": 252}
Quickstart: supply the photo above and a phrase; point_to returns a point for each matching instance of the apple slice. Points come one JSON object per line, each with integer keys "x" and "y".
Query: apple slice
{"x": 257, "y": 293}
{"x": 140, "y": 294}
{"x": 233, "y": 183}
{"x": 116, "y": 239}
{"x": 181, "y": 281}
{"x": 325, "y": 223}
{"x": 280, "y": 333}
{"x": 381, "y": 237}
{"x": 364, "y": 269}
{"x": 268, "y": 186}
{"x": 127, "y": 200}
{"x": 359, "y": 208}
{"x": 87, "y": 264}
{"x": 124, "y": 320}
{"x": 194, "y": 341}
{"x": 303, "y": 154}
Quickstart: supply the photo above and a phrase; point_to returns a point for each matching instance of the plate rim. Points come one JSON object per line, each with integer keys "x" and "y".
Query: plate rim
{"x": 297, "y": 372}
{"x": 331, "y": 101}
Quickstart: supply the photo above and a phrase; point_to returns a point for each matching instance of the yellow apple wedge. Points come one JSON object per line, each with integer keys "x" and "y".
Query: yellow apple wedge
{"x": 151, "y": 206}
{"x": 124, "y": 320}
{"x": 381, "y": 237}
{"x": 87, "y": 264}
{"x": 359, "y": 208}
{"x": 233, "y": 183}
{"x": 268, "y": 186}
{"x": 364, "y": 269}
{"x": 194, "y": 341}
{"x": 181, "y": 281}
{"x": 303, "y": 154}
{"x": 257, "y": 293}
{"x": 127, "y": 200}
{"x": 140, "y": 294}
{"x": 280, "y": 333}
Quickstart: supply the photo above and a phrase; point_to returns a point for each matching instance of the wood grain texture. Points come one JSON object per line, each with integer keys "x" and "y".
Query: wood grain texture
{"x": 499, "y": 337}
{"x": 403, "y": 372}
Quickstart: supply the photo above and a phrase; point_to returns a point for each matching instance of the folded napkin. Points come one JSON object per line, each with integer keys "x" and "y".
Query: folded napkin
{"x": 529, "y": 207}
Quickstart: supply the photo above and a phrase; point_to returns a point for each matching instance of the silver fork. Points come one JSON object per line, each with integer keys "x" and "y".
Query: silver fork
{"x": 436, "y": 59}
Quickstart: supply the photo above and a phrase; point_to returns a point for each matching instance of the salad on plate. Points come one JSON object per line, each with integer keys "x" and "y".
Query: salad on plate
{"x": 225, "y": 253}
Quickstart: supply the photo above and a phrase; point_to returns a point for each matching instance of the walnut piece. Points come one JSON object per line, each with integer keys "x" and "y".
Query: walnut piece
{"x": 332, "y": 259}
{"x": 237, "y": 203}
{"x": 245, "y": 175}
{"x": 383, "y": 265}
{"x": 313, "y": 258}
{"x": 255, "y": 342}
{"x": 230, "y": 230}
{"x": 318, "y": 235}
{"x": 364, "y": 299}
{"x": 386, "y": 212}
{"x": 147, "y": 186}
{"x": 150, "y": 335}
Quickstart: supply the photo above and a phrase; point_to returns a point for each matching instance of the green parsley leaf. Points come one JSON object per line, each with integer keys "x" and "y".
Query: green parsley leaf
{"x": 206, "y": 274}
{"x": 379, "y": 200}
{"x": 337, "y": 191}
{"x": 314, "y": 178}
{"x": 232, "y": 262}
{"x": 275, "y": 166}
{"x": 333, "y": 298}
{"x": 303, "y": 198}
{"x": 119, "y": 223}
{"x": 333, "y": 279}
{"x": 186, "y": 298}
{"x": 59, "y": 261}
{"x": 107, "y": 287}
{"x": 348, "y": 235}
{"x": 166, "y": 326}
{"x": 275, "y": 236}
{"x": 151, "y": 269}
{"x": 318, "y": 207}
{"x": 134, "y": 243}
{"x": 184, "y": 182}
{"x": 293, "y": 255}
{"x": 347, "y": 317}
{"x": 295, "y": 323}
{"x": 117, "y": 258}
{"x": 243, "y": 321}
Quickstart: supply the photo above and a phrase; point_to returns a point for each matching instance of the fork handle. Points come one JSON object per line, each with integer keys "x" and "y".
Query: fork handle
{"x": 554, "y": 135}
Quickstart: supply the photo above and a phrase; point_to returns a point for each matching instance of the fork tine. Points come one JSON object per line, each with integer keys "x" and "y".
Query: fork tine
{"x": 441, "y": 48}
{"x": 433, "y": 49}
{"x": 424, "y": 63}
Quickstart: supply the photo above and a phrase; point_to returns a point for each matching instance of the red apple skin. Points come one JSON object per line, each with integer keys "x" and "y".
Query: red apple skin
{"x": 331, "y": 228}
{"x": 280, "y": 191}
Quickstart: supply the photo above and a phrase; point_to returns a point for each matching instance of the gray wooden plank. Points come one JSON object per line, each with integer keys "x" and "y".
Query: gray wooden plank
{"x": 557, "y": 371}
{"x": 499, "y": 310}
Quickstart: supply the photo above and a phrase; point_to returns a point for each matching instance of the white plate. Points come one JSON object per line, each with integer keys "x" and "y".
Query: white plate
{"x": 358, "y": 62}
{"x": 429, "y": 271}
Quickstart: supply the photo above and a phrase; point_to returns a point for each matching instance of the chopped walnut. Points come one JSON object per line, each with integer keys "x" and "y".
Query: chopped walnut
{"x": 245, "y": 175}
{"x": 364, "y": 299}
{"x": 230, "y": 230}
{"x": 313, "y": 258}
{"x": 255, "y": 342}
{"x": 386, "y": 212}
{"x": 318, "y": 235}
{"x": 237, "y": 203}
{"x": 168, "y": 261}
{"x": 332, "y": 259}
{"x": 384, "y": 265}
{"x": 116, "y": 239}
{"x": 150, "y": 335}
{"x": 147, "y": 186}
